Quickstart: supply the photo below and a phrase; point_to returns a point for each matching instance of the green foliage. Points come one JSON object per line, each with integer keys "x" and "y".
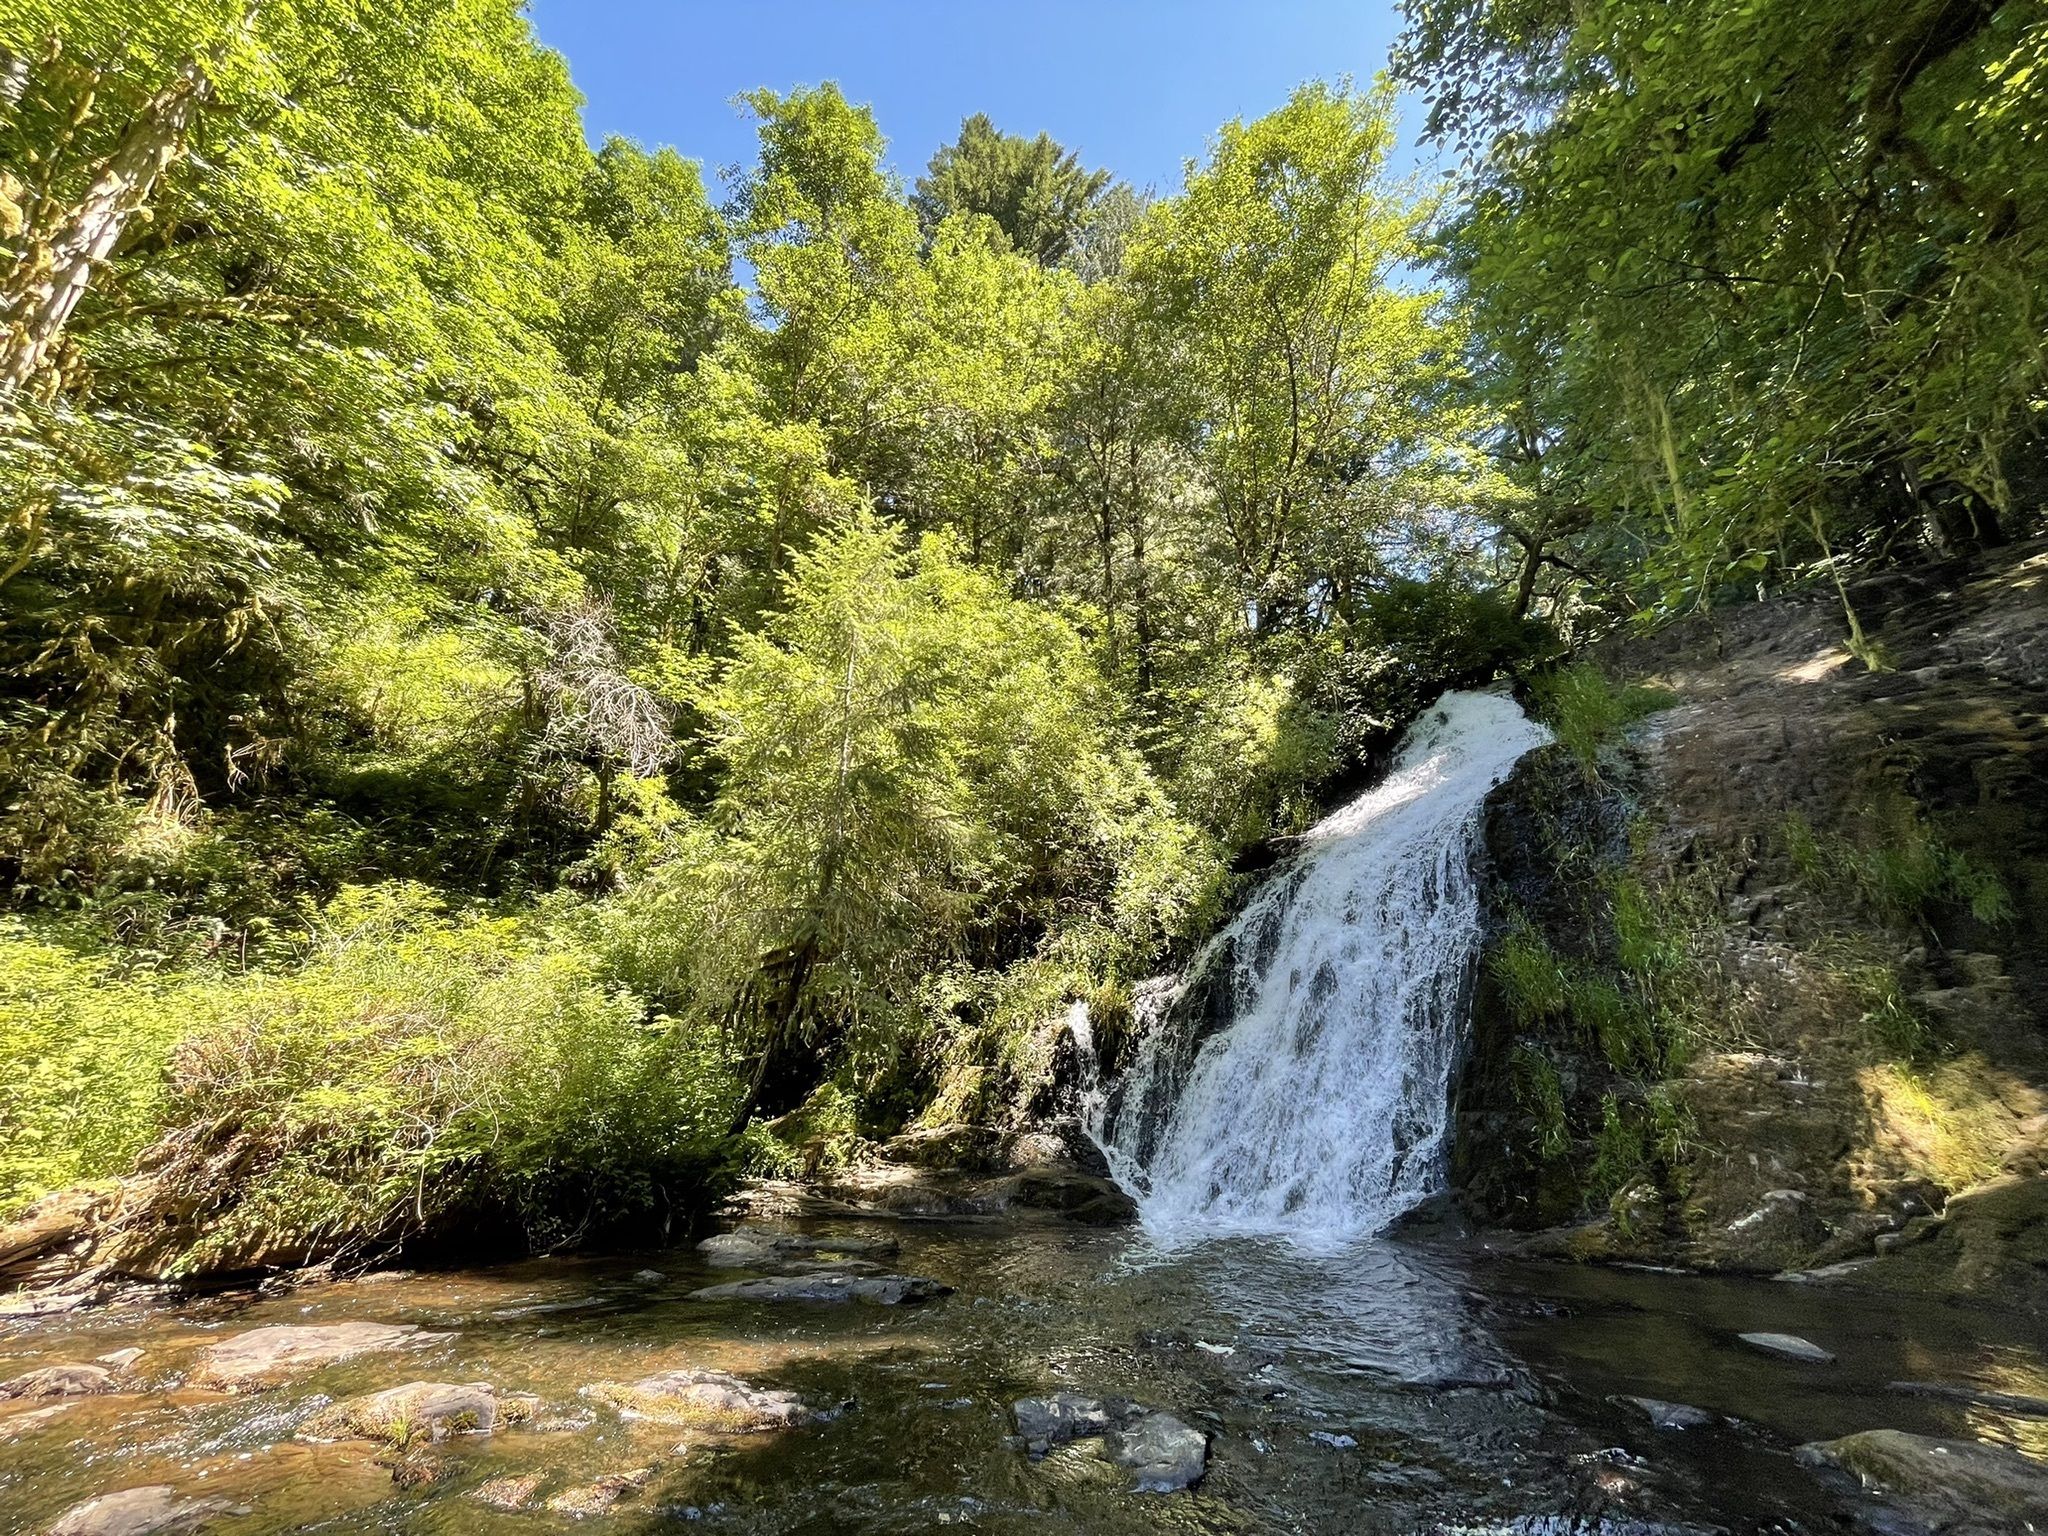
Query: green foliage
{"x": 1588, "y": 713}
{"x": 1540, "y": 1093}
{"x": 419, "y": 1064}
{"x": 1896, "y": 867}
{"x": 1714, "y": 370}
{"x": 1036, "y": 192}
{"x": 83, "y": 1049}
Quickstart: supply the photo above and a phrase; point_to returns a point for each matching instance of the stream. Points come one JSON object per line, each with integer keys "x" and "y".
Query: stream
{"x": 1389, "y": 1386}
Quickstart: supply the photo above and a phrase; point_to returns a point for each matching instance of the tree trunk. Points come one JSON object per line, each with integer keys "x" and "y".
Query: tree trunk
{"x": 38, "y": 297}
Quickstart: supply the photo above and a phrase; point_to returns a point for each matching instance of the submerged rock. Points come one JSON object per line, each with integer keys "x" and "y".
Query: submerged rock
{"x": 1045, "y": 1422}
{"x": 876, "y": 1290}
{"x": 1788, "y": 1346}
{"x": 263, "y": 1357}
{"x": 437, "y": 1408}
{"x": 761, "y": 1248}
{"x": 157, "y": 1510}
{"x": 595, "y": 1498}
{"x": 712, "y": 1400}
{"x": 1952, "y": 1487}
{"x": 1670, "y": 1415}
{"x": 508, "y": 1492}
{"x": 61, "y": 1381}
{"x": 1162, "y": 1454}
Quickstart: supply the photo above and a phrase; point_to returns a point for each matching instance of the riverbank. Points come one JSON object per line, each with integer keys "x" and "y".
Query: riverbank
{"x": 1404, "y": 1386}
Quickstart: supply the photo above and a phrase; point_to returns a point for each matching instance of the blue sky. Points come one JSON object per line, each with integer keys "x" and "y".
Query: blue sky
{"x": 1134, "y": 85}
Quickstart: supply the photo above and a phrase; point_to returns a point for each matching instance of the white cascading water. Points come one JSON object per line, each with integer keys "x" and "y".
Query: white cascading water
{"x": 1296, "y": 1079}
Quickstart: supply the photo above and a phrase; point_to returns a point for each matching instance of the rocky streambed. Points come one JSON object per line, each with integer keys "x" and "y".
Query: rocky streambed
{"x": 1024, "y": 1373}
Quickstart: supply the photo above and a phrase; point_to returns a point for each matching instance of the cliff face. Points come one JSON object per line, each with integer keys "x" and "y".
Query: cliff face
{"x": 1767, "y": 988}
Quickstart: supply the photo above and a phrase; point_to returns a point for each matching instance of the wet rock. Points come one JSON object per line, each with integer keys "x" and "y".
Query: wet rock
{"x": 1082, "y": 1197}
{"x": 1162, "y": 1454}
{"x": 712, "y": 1400}
{"x": 1045, "y": 1422}
{"x": 648, "y": 1276}
{"x": 875, "y": 1290}
{"x": 974, "y": 1148}
{"x": 158, "y": 1510}
{"x": 120, "y": 1359}
{"x": 414, "y": 1469}
{"x": 1951, "y": 1487}
{"x": 508, "y": 1492}
{"x": 263, "y": 1357}
{"x": 761, "y": 1248}
{"x": 595, "y": 1498}
{"x": 436, "y": 1409}
{"x": 1670, "y": 1415}
{"x": 15, "y": 1425}
{"x": 1788, "y": 1346}
{"x": 61, "y": 1381}
{"x": 44, "y": 1303}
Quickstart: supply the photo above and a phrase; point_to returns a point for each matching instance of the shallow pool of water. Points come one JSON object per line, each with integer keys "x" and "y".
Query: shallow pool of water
{"x": 1391, "y": 1387}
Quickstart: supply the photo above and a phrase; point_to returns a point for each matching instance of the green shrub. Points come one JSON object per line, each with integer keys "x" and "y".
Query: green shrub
{"x": 83, "y": 1050}
{"x": 1587, "y": 712}
{"x": 1532, "y": 979}
{"x": 1541, "y": 1095}
{"x": 1896, "y": 867}
{"x": 420, "y": 1065}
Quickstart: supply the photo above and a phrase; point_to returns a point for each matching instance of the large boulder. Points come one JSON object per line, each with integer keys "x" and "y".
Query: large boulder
{"x": 263, "y": 1357}
{"x": 710, "y": 1400}
{"x": 1950, "y": 1487}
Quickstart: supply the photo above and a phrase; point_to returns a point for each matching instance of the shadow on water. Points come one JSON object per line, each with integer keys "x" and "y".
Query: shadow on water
{"x": 1388, "y": 1387}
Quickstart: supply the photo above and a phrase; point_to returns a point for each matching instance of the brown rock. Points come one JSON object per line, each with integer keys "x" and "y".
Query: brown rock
{"x": 711, "y": 1400}
{"x": 1950, "y": 1487}
{"x": 153, "y": 1511}
{"x": 435, "y": 1409}
{"x": 61, "y": 1381}
{"x": 508, "y": 1492}
{"x": 263, "y": 1357}
{"x": 595, "y": 1498}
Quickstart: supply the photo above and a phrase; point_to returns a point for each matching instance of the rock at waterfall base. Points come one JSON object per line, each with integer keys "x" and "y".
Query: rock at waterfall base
{"x": 762, "y": 1248}
{"x": 597, "y": 1497}
{"x": 157, "y": 1510}
{"x": 1951, "y": 1487}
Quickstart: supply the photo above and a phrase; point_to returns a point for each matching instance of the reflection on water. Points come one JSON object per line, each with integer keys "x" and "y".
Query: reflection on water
{"x": 1386, "y": 1388}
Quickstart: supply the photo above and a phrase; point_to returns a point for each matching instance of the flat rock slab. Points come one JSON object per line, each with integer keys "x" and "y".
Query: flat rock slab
{"x": 158, "y": 1510}
{"x": 1788, "y": 1346}
{"x": 1162, "y": 1454}
{"x": 1952, "y": 1487}
{"x": 762, "y": 1247}
{"x": 436, "y": 1409}
{"x": 711, "y": 1400}
{"x": 265, "y": 1356}
{"x": 61, "y": 1381}
{"x": 875, "y": 1290}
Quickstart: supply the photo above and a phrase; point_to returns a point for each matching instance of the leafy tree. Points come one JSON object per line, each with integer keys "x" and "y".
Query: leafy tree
{"x": 1757, "y": 286}
{"x": 1037, "y": 193}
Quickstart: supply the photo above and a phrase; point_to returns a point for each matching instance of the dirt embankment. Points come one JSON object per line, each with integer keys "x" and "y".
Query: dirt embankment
{"x": 1821, "y": 892}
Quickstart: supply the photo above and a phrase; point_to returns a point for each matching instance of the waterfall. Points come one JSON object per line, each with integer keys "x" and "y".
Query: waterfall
{"x": 1296, "y": 1078}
